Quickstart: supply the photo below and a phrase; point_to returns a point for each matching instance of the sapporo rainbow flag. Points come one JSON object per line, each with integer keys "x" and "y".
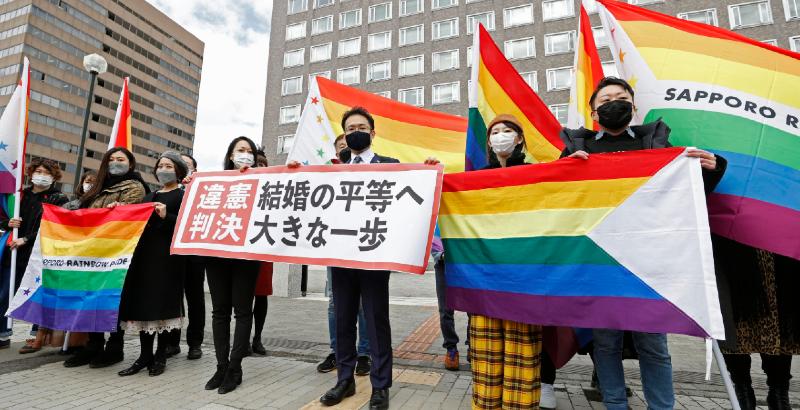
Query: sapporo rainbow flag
{"x": 732, "y": 95}
{"x": 408, "y": 133}
{"x": 618, "y": 241}
{"x": 497, "y": 88}
{"x": 75, "y": 275}
{"x": 588, "y": 72}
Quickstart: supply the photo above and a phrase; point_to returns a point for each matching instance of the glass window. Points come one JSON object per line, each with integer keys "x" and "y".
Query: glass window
{"x": 610, "y": 69}
{"x": 792, "y": 9}
{"x": 349, "y": 76}
{"x": 701, "y": 16}
{"x": 297, "y": 6}
{"x": 560, "y": 112}
{"x": 600, "y": 39}
{"x": 293, "y": 85}
{"x": 322, "y": 3}
{"x": 409, "y": 7}
{"x": 349, "y": 19}
{"x": 295, "y": 31}
{"x": 559, "y": 78}
{"x": 412, "y": 35}
{"x": 289, "y": 114}
{"x": 384, "y": 94}
{"x": 414, "y": 96}
{"x": 349, "y": 47}
{"x": 590, "y": 5}
{"x": 285, "y": 143}
{"x": 445, "y": 60}
{"x": 772, "y": 42}
{"x": 644, "y": 2}
{"x": 380, "y": 12}
{"x": 379, "y": 41}
{"x": 440, "y": 4}
{"x": 520, "y": 48}
{"x": 557, "y": 9}
{"x": 469, "y": 56}
{"x": 379, "y": 71}
{"x": 322, "y": 25}
{"x": 446, "y": 93}
{"x": 559, "y": 43}
{"x": 294, "y": 58}
{"x": 445, "y": 28}
{"x": 321, "y": 52}
{"x": 530, "y": 78}
{"x": 750, "y": 14}
{"x": 326, "y": 74}
{"x": 411, "y": 66}
{"x": 518, "y": 16}
{"x": 794, "y": 43}
{"x": 487, "y": 19}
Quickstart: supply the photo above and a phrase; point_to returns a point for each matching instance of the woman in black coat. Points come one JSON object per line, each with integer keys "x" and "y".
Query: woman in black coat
{"x": 152, "y": 297}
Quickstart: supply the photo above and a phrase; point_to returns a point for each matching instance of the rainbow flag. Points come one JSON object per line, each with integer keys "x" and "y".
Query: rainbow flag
{"x": 588, "y": 72}
{"x": 617, "y": 241}
{"x": 727, "y": 93}
{"x": 75, "y": 275}
{"x": 121, "y": 135}
{"x": 497, "y": 88}
{"x": 405, "y": 132}
{"x": 14, "y": 132}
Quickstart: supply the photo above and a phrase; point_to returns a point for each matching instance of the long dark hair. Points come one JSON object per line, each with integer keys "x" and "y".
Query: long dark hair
{"x": 227, "y": 164}
{"x": 79, "y": 189}
{"x": 103, "y": 175}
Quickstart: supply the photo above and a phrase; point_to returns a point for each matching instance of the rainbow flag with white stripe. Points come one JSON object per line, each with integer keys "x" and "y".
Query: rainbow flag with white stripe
{"x": 729, "y": 94}
{"x": 588, "y": 72}
{"x": 76, "y": 271}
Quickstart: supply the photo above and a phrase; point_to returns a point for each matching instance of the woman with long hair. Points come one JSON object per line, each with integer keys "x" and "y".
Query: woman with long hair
{"x": 87, "y": 181}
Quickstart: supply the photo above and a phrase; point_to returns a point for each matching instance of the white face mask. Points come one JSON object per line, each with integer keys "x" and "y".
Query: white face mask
{"x": 503, "y": 142}
{"x": 42, "y": 180}
{"x": 86, "y": 187}
{"x": 243, "y": 159}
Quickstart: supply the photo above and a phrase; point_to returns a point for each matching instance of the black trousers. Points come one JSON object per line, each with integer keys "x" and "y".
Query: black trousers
{"x": 195, "y": 300}
{"x": 370, "y": 289}
{"x": 778, "y": 369}
{"x": 232, "y": 283}
{"x": 548, "y": 369}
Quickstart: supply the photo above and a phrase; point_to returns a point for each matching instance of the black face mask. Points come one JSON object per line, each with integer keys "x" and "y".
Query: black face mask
{"x": 358, "y": 140}
{"x": 615, "y": 115}
{"x": 344, "y": 155}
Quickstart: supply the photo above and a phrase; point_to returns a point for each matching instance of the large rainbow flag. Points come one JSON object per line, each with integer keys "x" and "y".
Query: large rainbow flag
{"x": 617, "y": 241}
{"x": 727, "y": 93}
{"x": 75, "y": 275}
{"x": 121, "y": 135}
{"x": 588, "y": 72}
{"x": 497, "y": 88}
{"x": 405, "y": 132}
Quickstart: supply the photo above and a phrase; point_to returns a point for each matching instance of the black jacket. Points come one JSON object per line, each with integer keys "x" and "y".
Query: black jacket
{"x": 30, "y": 210}
{"x": 380, "y": 159}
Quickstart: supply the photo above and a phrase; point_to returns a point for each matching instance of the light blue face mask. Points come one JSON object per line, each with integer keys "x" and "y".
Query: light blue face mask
{"x": 118, "y": 168}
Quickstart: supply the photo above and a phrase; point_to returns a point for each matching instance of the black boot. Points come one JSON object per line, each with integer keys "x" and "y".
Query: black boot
{"x": 778, "y": 398}
{"x": 258, "y": 347}
{"x": 746, "y": 396}
{"x": 216, "y": 380}
{"x": 233, "y": 378}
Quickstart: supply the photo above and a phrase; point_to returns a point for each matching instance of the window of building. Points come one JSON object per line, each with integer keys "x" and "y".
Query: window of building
{"x": 349, "y": 19}
{"x": 380, "y": 12}
{"x": 322, "y": 25}
{"x": 469, "y": 56}
{"x": 445, "y": 28}
{"x": 379, "y": 71}
{"x": 379, "y": 41}
{"x": 559, "y": 43}
{"x": 487, "y": 19}
{"x": 292, "y": 85}
{"x": 559, "y": 78}
{"x": 412, "y": 35}
{"x": 610, "y": 69}
{"x": 321, "y": 52}
{"x": 326, "y": 74}
{"x": 411, "y": 66}
{"x": 294, "y": 58}
{"x": 530, "y": 78}
{"x": 322, "y": 3}
{"x": 414, "y": 96}
{"x": 750, "y": 14}
{"x": 708, "y": 16}
{"x": 297, "y": 6}
{"x": 409, "y": 7}
{"x": 349, "y": 76}
{"x": 520, "y": 48}
{"x": 792, "y": 9}
{"x": 644, "y": 2}
{"x": 445, "y": 60}
{"x": 446, "y": 93}
{"x": 600, "y": 39}
{"x": 518, "y": 16}
{"x": 349, "y": 47}
{"x": 384, "y": 94}
{"x": 794, "y": 43}
{"x": 557, "y": 9}
{"x": 560, "y": 112}
{"x": 772, "y": 42}
{"x": 285, "y": 143}
{"x": 289, "y": 114}
{"x": 295, "y": 31}
{"x": 590, "y": 5}
{"x": 440, "y": 4}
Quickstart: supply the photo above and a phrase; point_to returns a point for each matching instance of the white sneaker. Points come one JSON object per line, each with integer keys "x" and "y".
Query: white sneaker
{"x": 548, "y": 397}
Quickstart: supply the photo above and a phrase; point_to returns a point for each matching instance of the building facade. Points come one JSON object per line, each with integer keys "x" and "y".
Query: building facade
{"x": 419, "y": 51}
{"x": 162, "y": 59}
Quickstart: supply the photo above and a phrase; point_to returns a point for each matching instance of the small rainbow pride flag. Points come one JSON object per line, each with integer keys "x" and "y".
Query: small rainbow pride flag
{"x": 497, "y": 88}
{"x": 588, "y": 72}
{"x": 121, "y": 135}
{"x": 618, "y": 241}
{"x": 75, "y": 275}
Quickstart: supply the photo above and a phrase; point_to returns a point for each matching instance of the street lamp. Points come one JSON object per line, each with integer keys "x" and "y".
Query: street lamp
{"x": 95, "y": 64}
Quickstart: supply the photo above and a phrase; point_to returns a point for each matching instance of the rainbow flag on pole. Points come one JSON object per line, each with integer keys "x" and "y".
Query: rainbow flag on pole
{"x": 75, "y": 275}
{"x": 729, "y": 94}
{"x": 121, "y": 135}
{"x": 497, "y": 88}
{"x": 13, "y": 133}
{"x": 588, "y": 72}
{"x": 617, "y": 241}
{"x": 405, "y": 132}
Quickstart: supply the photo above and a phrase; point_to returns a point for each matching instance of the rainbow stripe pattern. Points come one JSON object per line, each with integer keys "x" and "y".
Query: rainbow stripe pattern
{"x": 617, "y": 241}
{"x": 121, "y": 132}
{"x": 588, "y": 72}
{"x": 732, "y": 95}
{"x": 497, "y": 88}
{"x": 75, "y": 275}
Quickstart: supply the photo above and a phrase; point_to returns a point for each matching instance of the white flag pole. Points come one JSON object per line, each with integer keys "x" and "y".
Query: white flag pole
{"x": 726, "y": 378}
